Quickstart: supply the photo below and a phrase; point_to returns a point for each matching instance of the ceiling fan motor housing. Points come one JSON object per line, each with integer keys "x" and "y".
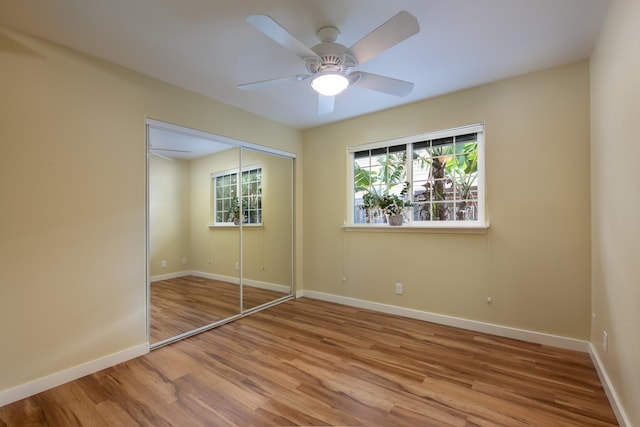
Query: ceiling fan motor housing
{"x": 331, "y": 57}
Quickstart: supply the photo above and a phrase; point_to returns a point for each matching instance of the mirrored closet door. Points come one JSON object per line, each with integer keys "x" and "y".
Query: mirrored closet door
{"x": 267, "y": 232}
{"x": 220, "y": 230}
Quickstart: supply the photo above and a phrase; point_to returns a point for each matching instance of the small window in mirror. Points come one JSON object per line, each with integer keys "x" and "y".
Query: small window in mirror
{"x": 237, "y": 201}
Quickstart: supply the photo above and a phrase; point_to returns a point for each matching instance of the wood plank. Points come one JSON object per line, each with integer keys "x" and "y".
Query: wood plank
{"x": 308, "y": 362}
{"x": 186, "y": 303}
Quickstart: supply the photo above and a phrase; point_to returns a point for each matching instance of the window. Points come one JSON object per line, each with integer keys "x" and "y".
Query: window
{"x": 228, "y": 207}
{"x": 439, "y": 176}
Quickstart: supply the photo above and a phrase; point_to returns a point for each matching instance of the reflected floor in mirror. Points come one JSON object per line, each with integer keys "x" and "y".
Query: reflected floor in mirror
{"x": 186, "y": 303}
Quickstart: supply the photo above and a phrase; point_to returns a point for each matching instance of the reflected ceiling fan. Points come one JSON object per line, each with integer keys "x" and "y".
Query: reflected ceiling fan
{"x": 330, "y": 65}
{"x": 154, "y": 152}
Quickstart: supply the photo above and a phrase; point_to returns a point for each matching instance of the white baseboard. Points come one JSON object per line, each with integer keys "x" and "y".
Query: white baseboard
{"x": 489, "y": 328}
{"x": 41, "y": 384}
{"x": 168, "y": 276}
{"x": 269, "y": 286}
{"x": 212, "y": 276}
{"x": 228, "y": 279}
{"x": 616, "y": 405}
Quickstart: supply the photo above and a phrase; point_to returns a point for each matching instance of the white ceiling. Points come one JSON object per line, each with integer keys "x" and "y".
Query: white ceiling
{"x": 208, "y": 47}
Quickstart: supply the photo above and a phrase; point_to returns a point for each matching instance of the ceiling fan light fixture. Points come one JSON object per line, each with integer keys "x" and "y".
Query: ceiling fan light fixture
{"x": 329, "y": 83}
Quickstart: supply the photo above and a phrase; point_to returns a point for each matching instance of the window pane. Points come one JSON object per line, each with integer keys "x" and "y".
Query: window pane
{"x": 436, "y": 211}
{"x": 466, "y": 138}
{"x": 467, "y": 210}
{"x": 443, "y": 211}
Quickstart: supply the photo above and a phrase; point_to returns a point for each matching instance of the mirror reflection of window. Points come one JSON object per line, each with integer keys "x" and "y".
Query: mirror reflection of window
{"x": 228, "y": 206}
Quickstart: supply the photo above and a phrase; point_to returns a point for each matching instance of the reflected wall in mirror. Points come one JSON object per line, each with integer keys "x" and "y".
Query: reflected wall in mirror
{"x": 204, "y": 267}
{"x": 267, "y": 247}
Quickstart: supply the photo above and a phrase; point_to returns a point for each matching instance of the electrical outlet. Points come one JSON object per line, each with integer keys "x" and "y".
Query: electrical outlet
{"x": 399, "y": 288}
{"x": 237, "y": 265}
{"x": 605, "y": 341}
{"x": 184, "y": 261}
{"x": 164, "y": 263}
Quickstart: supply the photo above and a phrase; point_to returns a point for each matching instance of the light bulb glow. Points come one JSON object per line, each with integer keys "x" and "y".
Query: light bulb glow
{"x": 329, "y": 84}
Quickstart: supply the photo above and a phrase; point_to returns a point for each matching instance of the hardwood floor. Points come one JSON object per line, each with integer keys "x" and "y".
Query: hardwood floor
{"x": 308, "y": 362}
{"x": 186, "y": 303}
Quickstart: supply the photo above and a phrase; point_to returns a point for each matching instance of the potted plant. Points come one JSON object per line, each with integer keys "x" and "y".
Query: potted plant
{"x": 234, "y": 211}
{"x": 371, "y": 202}
{"x": 392, "y": 206}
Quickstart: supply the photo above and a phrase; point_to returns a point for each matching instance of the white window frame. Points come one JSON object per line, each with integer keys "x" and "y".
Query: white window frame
{"x": 480, "y": 224}
{"x": 214, "y": 196}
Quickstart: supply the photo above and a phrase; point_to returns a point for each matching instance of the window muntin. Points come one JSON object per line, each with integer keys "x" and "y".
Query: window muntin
{"x": 443, "y": 172}
{"x": 228, "y": 208}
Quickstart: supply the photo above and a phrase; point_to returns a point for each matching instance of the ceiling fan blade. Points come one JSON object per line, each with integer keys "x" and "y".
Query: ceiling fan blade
{"x": 272, "y": 82}
{"x": 281, "y": 36}
{"x": 325, "y": 104}
{"x": 395, "y": 30}
{"x": 381, "y": 83}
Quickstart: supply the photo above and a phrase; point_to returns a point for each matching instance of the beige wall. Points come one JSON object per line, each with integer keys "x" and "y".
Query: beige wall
{"x": 72, "y": 223}
{"x": 213, "y": 251}
{"x": 534, "y": 261}
{"x": 615, "y": 109}
{"x": 169, "y": 215}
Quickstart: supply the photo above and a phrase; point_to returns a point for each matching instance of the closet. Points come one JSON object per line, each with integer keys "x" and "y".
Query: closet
{"x": 220, "y": 230}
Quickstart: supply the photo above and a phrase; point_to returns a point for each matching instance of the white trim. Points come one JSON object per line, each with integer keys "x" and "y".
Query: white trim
{"x": 269, "y": 286}
{"x": 168, "y": 276}
{"x": 615, "y": 402}
{"x": 472, "y": 325}
{"x": 234, "y": 171}
{"x": 231, "y": 225}
{"x": 236, "y": 280}
{"x": 230, "y": 279}
{"x": 212, "y": 276}
{"x": 450, "y": 227}
{"x": 475, "y": 128}
{"x": 45, "y": 383}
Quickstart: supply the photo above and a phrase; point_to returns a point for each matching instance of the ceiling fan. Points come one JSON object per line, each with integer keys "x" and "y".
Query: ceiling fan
{"x": 330, "y": 65}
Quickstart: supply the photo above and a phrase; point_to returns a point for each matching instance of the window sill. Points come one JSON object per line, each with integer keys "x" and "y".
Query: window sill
{"x": 230, "y": 225}
{"x": 406, "y": 228}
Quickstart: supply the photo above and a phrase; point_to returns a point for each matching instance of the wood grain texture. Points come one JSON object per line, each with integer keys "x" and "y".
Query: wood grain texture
{"x": 308, "y": 362}
{"x": 186, "y": 303}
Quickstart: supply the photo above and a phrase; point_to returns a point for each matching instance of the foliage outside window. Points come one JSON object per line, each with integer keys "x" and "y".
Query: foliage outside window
{"x": 238, "y": 202}
{"x": 437, "y": 176}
